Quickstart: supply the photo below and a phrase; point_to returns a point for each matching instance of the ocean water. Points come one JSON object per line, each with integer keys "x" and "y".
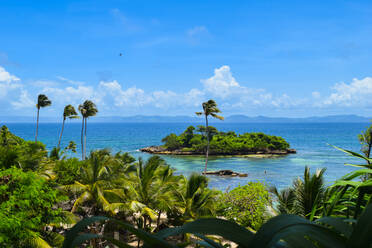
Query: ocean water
{"x": 311, "y": 140}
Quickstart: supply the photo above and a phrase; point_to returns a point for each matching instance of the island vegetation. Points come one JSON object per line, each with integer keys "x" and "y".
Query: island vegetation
{"x": 194, "y": 141}
{"x": 53, "y": 199}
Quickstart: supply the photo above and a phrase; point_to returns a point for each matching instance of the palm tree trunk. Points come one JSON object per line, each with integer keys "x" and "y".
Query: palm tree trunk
{"x": 60, "y": 136}
{"x": 82, "y": 141}
{"x": 37, "y": 124}
{"x": 158, "y": 221}
{"x": 85, "y": 139}
{"x": 207, "y": 152}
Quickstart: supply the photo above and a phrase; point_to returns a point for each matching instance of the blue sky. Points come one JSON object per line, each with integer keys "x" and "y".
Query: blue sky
{"x": 273, "y": 58}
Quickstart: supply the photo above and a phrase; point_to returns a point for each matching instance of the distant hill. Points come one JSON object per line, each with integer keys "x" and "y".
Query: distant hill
{"x": 194, "y": 119}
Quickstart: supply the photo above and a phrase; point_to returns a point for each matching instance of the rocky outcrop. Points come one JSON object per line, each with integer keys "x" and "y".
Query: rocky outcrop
{"x": 229, "y": 173}
{"x": 162, "y": 150}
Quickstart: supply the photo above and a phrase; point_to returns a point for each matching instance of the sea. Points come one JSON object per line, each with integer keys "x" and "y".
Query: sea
{"x": 313, "y": 141}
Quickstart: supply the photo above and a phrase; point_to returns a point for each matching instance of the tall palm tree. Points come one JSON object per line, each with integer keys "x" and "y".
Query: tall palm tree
{"x": 42, "y": 102}
{"x": 87, "y": 109}
{"x": 209, "y": 109}
{"x": 68, "y": 112}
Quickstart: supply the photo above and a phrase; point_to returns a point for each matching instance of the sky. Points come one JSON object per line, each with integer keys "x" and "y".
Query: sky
{"x": 271, "y": 58}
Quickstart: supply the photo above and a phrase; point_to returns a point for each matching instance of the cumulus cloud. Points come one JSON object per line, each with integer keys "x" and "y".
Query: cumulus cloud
{"x": 357, "y": 93}
{"x": 70, "y": 94}
{"x": 6, "y": 76}
{"x": 8, "y": 82}
{"x": 222, "y": 83}
{"x": 24, "y": 101}
{"x": 232, "y": 95}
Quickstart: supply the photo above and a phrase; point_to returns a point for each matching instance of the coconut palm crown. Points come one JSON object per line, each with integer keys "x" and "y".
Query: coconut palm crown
{"x": 209, "y": 109}
{"x": 42, "y": 102}
{"x": 68, "y": 112}
{"x": 87, "y": 109}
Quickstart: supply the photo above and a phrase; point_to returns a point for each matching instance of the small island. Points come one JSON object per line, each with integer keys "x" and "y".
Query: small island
{"x": 193, "y": 141}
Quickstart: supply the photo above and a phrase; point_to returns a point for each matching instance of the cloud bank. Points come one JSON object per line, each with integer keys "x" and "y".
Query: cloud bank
{"x": 114, "y": 98}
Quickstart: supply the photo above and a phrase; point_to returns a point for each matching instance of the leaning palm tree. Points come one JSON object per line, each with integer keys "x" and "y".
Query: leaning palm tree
{"x": 209, "y": 109}
{"x": 68, "y": 112}
{"x": 87, "y": 109}
{"x": 42, "y": 101}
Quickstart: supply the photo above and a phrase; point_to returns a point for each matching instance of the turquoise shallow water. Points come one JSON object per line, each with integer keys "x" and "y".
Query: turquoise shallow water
{"x": 310, "y": 140}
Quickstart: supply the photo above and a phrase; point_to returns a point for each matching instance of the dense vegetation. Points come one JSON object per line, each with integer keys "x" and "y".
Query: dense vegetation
{"x": 127, "y": 202}
{"x": 308, "y": 214}
{"x": 223, "y": 143}
{"x": 43, "y": 194}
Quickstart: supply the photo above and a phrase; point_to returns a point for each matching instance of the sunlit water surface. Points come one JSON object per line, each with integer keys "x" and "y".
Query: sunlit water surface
{"x": 311, "y": 140}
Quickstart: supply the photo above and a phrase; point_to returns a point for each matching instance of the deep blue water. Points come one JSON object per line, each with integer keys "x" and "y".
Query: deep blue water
{"x": 310, "y": 140}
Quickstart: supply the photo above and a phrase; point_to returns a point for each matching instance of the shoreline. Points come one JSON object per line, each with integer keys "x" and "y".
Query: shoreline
{"x": 260, "y": 154}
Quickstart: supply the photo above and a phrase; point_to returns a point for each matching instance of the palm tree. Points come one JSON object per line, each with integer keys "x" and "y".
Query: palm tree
{"x": 196, "y": 198}
{"x": 305, "y": 197}
{"x": 209, "y": 109}
{"x": 42, "y": 101}
{"x": 68, "y": 112}
{"x": 145, "y": 193}
{"x": 87, "y": 109}
{"x": 96, "y": 178}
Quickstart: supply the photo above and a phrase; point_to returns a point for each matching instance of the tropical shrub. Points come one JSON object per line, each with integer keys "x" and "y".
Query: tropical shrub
{"x": 27, "y": 206}
{"x": 247, "y": 205}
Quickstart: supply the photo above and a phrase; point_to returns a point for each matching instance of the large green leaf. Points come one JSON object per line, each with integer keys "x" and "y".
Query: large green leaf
{"x": 338, "y": 224}
{"x": 208, "y": 226}
{"x": 362, "y": 234}
{"x": 288, "y": 227}
{"x": 354, "y": 154}
{"x": 74, "y": 232}
{"x": 356, "y": 174}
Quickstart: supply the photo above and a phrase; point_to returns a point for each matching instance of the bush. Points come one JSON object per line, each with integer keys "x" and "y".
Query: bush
{"x": 246, "y": 204}
{"x": 27, "y": 205}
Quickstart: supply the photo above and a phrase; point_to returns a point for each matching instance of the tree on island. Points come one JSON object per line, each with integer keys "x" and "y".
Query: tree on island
{"x": 68, "y": 112}
{"x": 87, "y": 109}
{"x": 209, "y": 109}
{"x": 42, "y": 101}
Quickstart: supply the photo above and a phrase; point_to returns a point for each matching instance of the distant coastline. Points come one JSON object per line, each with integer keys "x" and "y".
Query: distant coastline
{"x": 192, "y": 119}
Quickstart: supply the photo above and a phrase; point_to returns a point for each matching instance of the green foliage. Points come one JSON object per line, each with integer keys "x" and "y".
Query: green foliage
{"x": 365, "y": 139}
{"x": 247, "y": 205}
{"x": 27, "y": 205}
{"x": 67, "y": 171}
{"x": 224, "y": 143}
{"x": 305, "y": 197}
{"x": 280, "y": 231}
{"x": 172, "y": 142}
{"x": 14, "y": 151}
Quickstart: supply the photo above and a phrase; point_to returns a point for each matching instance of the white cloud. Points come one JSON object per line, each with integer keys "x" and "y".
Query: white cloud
{"x": 24, "y": 101}
{"x": 232, "y": 96}
{"x": 8, "y": 82}
{"x": 357, "y": 93}
{"x": 6, "y": 76}
{"x": 222, "y": 83}
{"x": 71, "y": 95}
